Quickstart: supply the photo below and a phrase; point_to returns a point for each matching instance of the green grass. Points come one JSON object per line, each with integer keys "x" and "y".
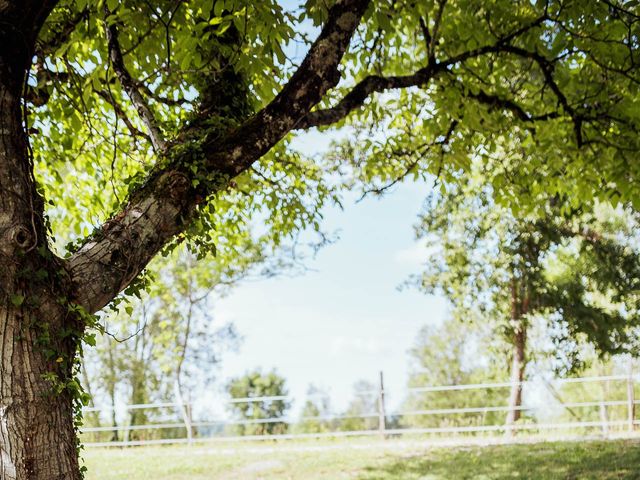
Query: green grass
{"x": 358, "y": 459}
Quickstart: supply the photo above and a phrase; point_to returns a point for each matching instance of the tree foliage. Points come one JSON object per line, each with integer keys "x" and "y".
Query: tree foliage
{"x": 544, "y": 93}
{"x": 578, "y": 270}
{"x": 363, "y": 408}
{"x": 141, "y": 125}
{"x": 259, "y": 416}
{"x": 455, "y": 353}
{"x": 315, "y": 416}
{"x": 166, "y": 345}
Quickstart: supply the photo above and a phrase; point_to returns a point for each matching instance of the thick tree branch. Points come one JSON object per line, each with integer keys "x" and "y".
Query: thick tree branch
{"x": 316, "y": 75}
{"x": 20, "y": 23}
{"x": 165, "y": 204}
{"x": 358, "y": 94}
{"x": 130, "y": 87}
{"x": 378, "y": 84}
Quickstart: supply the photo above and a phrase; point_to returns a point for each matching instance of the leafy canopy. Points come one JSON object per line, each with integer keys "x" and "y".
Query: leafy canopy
{"x": 549, "y": 88}
{"x": 579, "y": 271}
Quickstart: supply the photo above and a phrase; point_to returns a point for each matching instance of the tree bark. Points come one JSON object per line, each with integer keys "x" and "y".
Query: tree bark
{"x": 37, "y": 342}
{"x": 518, "y": 365}
{"x": 37, "y": 434}
{"x": 38, "y": 333}
{"x": 165, "y": 204}
{"x": 519, "y": 308}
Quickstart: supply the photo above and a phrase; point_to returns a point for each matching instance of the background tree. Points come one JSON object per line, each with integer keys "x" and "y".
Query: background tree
{"x": 259, "y": 417}
{"x": 611, "y": 417}
{"x": 362, "y": 412}
{"x": 315, "y": 412}
{"x": 504, "y": 269}
{"x": 454, "y": 353}
{"x": 165, "y": 344}
{"x": 168, "y": 116}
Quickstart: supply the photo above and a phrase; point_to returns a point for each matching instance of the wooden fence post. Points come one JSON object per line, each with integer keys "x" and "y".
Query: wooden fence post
{"x": 382, "y": 416}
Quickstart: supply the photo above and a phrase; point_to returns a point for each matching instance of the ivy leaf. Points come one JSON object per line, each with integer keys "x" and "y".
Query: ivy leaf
{"x": 17, "y": 300}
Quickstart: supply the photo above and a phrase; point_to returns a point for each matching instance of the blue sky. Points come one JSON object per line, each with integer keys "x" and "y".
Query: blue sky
{"x": 345, "y": 319}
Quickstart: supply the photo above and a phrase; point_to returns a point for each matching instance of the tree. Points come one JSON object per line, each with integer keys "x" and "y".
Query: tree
{"x": 362, "y": 411}
{"x": 505, "y": 270}
{"x": 166, "y": 117}
{"x": 165, "y": 344}
{"x": 597, "y": 393}
{"x": 259, "y": 416}
{"x": 454, "y": 353}
{"x": 315, "y": 416}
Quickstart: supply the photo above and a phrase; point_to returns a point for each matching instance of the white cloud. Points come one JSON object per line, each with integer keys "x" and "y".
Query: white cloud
{"x": 342, "y": 345}
{"x": 416, "y": 254}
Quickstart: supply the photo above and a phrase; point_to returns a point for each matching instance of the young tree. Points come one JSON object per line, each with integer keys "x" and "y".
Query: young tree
{"x": 362, "y": 411}
{"x": 165, "y": 347}
{"x": 598, "y": 393}
{"x": 260, "y": 415}
{"x": 454, "y": 353}
{"x": 140, "y": 123}
{"x": 316, "y": 412}
{"x": 504, "y": 269}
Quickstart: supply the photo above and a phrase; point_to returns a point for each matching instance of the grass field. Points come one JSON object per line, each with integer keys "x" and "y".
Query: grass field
{"x": 368, "y": 460}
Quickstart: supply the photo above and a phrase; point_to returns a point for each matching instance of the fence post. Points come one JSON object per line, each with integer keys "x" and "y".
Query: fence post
{"x": 382, "y": 416}
{"x": 631, "y": 410}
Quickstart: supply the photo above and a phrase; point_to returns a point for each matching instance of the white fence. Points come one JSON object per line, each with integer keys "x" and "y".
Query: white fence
{"x": 611, "y": 414}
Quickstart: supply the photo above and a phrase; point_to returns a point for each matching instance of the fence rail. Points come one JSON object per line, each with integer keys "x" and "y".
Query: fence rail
{"x": 185, "y": 429}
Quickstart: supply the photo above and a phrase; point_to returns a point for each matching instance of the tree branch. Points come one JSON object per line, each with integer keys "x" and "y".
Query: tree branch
{"x": 165, "y": 204}
{"x": 46, "y": 80}
{"x": 117, "y": 108}
{"x": 358, "y": 94}
{"x": 159, "y": 98}
{"x": 547, "y": 68}
{"x": 378, "y": 84}
{"x": 497, "y": 102}
{"x": 62, "y": 34}
{"x": 419, "y": 152}
{"x": 129, "y": 86}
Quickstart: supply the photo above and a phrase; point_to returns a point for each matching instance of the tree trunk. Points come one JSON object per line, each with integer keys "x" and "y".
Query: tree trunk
{"x": 518, "y": 365}
{"x": 111, "y": 390}
{"x": 37, "y": 434}
{"x": 519, "y": 309}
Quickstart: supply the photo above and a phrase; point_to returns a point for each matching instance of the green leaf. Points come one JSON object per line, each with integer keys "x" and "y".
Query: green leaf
{"x": 112, "y": 4}
{"x": 17, "y": 300}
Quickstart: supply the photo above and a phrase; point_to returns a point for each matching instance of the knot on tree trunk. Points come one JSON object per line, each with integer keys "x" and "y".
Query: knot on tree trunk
{"x": 21, "y": 236}
{"x": 176, "y": 184}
